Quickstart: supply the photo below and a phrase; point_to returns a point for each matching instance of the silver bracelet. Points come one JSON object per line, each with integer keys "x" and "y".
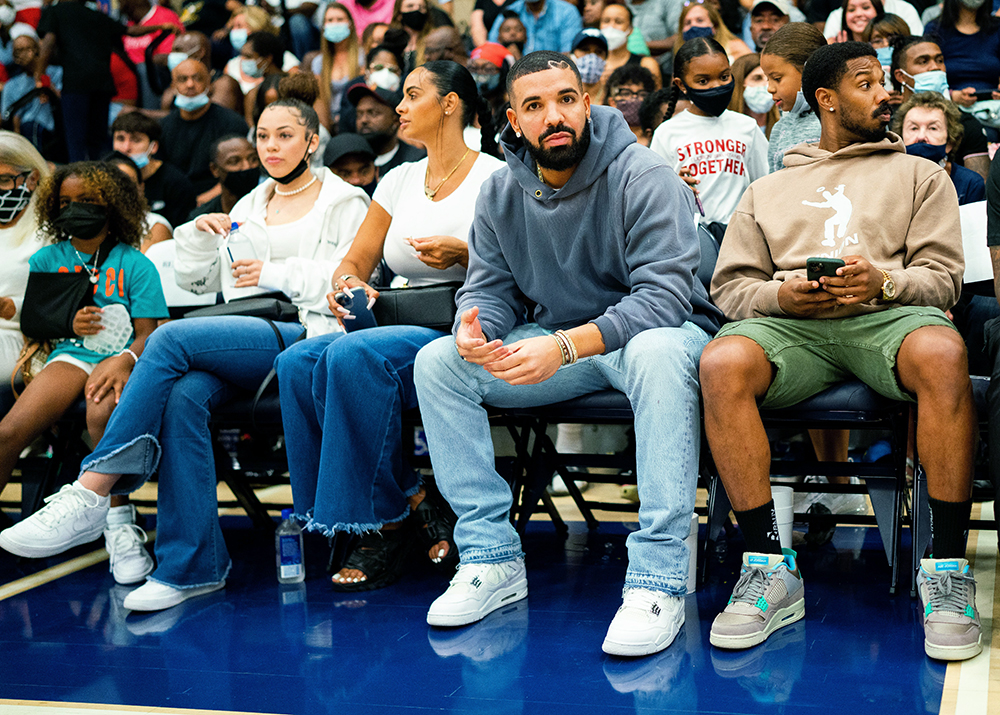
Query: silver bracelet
{"x": 128, "y": 351}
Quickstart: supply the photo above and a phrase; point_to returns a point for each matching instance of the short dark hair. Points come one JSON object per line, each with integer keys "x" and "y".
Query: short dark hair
{"x": 267, "y": 45}
{"x": 213, "y": 148}
{"x": 631, "y": 74}
{"x": 900, "y": 47}
{"x": 651, "y": 112}
{"x": 828, "y": 65}
{"x": 137, "y": 123}
{"x": 539, "y": 62}
{"x": 619, "y": 3}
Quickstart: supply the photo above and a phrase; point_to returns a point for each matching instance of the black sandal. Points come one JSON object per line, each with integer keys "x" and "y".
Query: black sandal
{"x": 380, "y": 556}
{"x": 435, "y": 522}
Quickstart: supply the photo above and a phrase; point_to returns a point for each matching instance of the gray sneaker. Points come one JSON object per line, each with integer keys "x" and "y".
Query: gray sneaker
{"x": 768, "y": 595}
{"x": 951, "y": 622}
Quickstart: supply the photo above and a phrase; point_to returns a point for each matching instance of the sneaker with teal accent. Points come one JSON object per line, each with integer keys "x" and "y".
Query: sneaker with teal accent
{"x": 951, "y": 622}
{"x": 768, "y": 595}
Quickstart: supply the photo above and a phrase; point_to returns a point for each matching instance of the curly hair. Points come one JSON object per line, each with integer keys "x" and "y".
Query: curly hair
{"x": 126, "y": 207}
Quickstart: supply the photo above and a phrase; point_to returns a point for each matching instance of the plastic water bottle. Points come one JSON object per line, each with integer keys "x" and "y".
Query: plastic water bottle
{"x": 288, "y": 549}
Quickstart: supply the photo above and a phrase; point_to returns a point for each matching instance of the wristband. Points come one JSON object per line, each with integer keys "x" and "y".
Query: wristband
{"x": 348, "y": 275}
{"x": 128, "y": 351}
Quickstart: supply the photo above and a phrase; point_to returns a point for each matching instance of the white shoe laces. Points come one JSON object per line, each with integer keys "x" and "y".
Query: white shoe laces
{"x": 949, "y": 591}
{"x": 66, "y": 502}
{"x": 123, "y": 539}
{"x": 641, "y": 598}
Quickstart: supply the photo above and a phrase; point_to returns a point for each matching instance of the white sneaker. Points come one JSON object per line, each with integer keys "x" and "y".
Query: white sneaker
{"x": 130, "y": 562}
{"x": 72, "y": 516}
{"x": 153, "y": 596}
{"x": 477, "y": 590}
{"x": 646, "y": 622}
{"x": 558, "y": 487}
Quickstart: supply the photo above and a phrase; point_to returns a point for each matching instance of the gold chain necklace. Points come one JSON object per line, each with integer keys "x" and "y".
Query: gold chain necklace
{"x": 427, "y": 189}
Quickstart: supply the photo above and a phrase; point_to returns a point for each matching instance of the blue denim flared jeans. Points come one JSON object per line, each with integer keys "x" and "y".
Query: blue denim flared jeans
{"x": 342, "y": 397}
{"x": 188, "y": 367}
{"x": 658, "y": 371}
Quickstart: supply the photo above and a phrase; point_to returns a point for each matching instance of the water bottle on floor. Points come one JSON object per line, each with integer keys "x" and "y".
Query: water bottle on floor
{"x": 288, "y": 549}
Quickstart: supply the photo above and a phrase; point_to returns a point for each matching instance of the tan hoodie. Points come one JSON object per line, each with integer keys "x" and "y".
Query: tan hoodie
{"x": 868, "y": 199}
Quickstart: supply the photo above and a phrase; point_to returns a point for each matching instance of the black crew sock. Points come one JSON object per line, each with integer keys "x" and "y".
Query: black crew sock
{"x": 760, "y": 529}
{"x": 949, "y": 527}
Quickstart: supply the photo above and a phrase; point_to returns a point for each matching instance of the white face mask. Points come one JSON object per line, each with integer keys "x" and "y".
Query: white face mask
{"x": 385, "y": 78}
{"x": 758, "y": 99}
{"x": 615, "y": 37}
{"x": 174, "y": 59}
{"x": 7, "y": 14}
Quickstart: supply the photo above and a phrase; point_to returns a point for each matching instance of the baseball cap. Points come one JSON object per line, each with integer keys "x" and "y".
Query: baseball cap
{"x": 590, "y": 33}
{"x": 781, "y": 6}
{"x": 344, "y": 144}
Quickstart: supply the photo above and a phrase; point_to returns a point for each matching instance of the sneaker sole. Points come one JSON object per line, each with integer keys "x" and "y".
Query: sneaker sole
{"x": 661, "y": 642}
{"x": 783, "y": 617}
{"x": 953, "y": 652}
{"x": 175, "y": 600}
{"x": 38, "y": 552}
{"x": 499, "y": 599}
{"x": 129, "y": 580}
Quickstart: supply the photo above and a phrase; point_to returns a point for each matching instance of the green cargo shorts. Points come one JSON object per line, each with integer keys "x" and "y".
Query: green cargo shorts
{"x": 812, "y": 355}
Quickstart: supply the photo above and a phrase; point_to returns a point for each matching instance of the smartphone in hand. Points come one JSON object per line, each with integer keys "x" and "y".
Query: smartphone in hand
{"x": 356, "y": 301}
{"x": 818, "y": 267}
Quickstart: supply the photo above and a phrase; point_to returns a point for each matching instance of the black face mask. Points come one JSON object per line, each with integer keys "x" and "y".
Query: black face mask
{"x": 82, "y": 221}
{"x": 415, "y": 19}
{"x": 297, "y": 171}
{"x": 241, "y": 183}
{"x": 711, "y": 101}
{"x": 369, "y": 188}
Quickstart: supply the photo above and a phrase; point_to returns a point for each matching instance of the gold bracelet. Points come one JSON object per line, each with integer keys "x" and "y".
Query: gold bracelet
{"x": 573, "y": 355}
{"x": 563, "y": 353}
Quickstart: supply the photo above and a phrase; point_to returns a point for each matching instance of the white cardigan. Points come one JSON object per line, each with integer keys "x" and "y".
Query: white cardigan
{"x": 305, "y": 278}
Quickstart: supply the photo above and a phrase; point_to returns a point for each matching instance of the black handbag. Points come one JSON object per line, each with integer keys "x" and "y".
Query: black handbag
{"x": 272, "y": 306}
{"x": 52, "y": 300}
{"x": 427, "y": 307}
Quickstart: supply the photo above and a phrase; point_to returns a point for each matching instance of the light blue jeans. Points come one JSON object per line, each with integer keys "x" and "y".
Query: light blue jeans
{"x": 657, "y": 370}
{"x": 188, "y": 368}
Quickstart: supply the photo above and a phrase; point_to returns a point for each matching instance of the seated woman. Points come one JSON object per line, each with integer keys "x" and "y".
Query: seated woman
{"x": 299, "y": 226}
{"x": 969, "y": 38}
{"x": 94, "y": 217}
{"x": 342, "y": 395}
{"x": 338, "y": 61}
{"x": 750, "y": 95}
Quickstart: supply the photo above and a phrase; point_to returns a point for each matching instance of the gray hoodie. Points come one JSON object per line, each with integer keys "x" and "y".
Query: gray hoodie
{"x": 615, "y": 246}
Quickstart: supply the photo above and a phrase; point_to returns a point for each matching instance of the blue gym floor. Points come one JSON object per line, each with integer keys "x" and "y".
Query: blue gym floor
{"x": 255, "y": 647}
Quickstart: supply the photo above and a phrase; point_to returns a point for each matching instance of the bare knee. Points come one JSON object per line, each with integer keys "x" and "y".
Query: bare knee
{"x": 734, "y": 367}
{"x": 98, "y": 414}
{"x": 933, "y": 358}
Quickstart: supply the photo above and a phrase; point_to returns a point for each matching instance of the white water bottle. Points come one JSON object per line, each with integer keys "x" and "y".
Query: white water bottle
{"x": 288, "y": 549}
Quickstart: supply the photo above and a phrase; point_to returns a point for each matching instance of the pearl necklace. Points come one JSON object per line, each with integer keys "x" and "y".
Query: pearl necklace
{"x": 91, "y": 271}
{"x": 299, "y": 190}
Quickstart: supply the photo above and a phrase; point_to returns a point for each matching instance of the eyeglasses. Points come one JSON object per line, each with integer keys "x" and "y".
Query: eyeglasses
{"x": 10, "y": 181}
{"x": 689, "y": 3}
{"x": 629, "y": 94}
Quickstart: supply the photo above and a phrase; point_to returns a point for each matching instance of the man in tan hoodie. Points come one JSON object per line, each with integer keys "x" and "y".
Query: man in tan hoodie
{"x": 894, "y": 221}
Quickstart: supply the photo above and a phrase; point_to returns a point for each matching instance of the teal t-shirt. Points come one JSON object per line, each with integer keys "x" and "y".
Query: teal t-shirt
{"x": 125, "y": 276}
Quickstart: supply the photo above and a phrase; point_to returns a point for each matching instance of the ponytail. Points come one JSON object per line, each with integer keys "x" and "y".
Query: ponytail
{"x": 675, "y": 94}
{"x": 488, "y": 132}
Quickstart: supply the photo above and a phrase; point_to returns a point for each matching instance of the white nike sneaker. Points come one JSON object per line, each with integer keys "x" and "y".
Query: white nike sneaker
{"x": 153, "y": 596}
{"x": 124, "y": 541}
{"x": 477, "y": 590}
{"x": 72, "y": 516}
{"x": 646, "y": 622}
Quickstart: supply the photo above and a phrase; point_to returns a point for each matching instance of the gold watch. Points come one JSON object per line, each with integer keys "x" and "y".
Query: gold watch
{"x": 888, "y": 286}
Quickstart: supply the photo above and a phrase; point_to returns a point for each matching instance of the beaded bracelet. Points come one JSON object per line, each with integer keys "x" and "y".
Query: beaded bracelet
{"x": 570, "y": 356}
{"x": 128, "y": 351}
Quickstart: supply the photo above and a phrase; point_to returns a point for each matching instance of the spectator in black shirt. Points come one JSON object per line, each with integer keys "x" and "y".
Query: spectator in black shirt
{"x": 234, "y": 162}
{"x": 193, "y": 125}
{"x": 84, "y": 39}
{"x": 168, "y": 191}
{"x": 378, "y": 123}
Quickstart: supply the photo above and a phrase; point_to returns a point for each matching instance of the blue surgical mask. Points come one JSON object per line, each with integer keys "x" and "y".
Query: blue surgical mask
{"x": 694, "y": 32}
{"x": 238, "y": 38}
{"x": 336, "y": 31}
{"x": 591, "y": 67}
{"x": 935, "y": 152}
{"x": 486, "y": 82}
{"x": 251, "y": 68}
{"x": 884, "y": 56}
{"x": 758, "y": 99}
{"x": 932, "y": 81}
{"x": 191, "y": 104}
{"x": 801, "y": 104}
{"x": 174, "y": 59}
{"x": 141, "y": 159}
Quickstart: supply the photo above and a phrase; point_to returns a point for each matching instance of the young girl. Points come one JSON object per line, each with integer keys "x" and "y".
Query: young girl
{"x": 750, "y": 95}
{"x": 716, "y": 151}
{"x": 782, "y": 60}
{"x": 88, "y": 209}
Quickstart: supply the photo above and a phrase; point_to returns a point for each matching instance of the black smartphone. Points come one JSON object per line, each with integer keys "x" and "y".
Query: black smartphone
{"x": 985, "y": 94}
{"x": 356, "y": 301}
{"x": 818, "y": 267}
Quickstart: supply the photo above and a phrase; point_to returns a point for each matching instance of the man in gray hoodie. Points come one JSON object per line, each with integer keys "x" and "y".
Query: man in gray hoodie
{"x": 595, "y": 232}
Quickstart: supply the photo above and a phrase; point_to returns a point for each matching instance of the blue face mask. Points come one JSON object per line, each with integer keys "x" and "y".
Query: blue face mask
{"x": 191, "y": 104}
{"x": 174, "y": 59}
{"x": 486, "y": 82}
{"x": 591, "y": 67}
{"x": 693, "y": 32}
{"x": 336, "y": 31}
{"x": 884, "y": 56}
{"x": 238, "y": 38}
{"x": 141, "y": 160}
{"x": 251, "y": 68}
{"x": 932, "y": 81}
{"x": 934, "y": 152}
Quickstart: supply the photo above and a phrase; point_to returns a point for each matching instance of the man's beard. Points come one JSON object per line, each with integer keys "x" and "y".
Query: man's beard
{"x": 868, "y": 134}
{"x": 563, "y": 157}
{"x": 380, "y": 142}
